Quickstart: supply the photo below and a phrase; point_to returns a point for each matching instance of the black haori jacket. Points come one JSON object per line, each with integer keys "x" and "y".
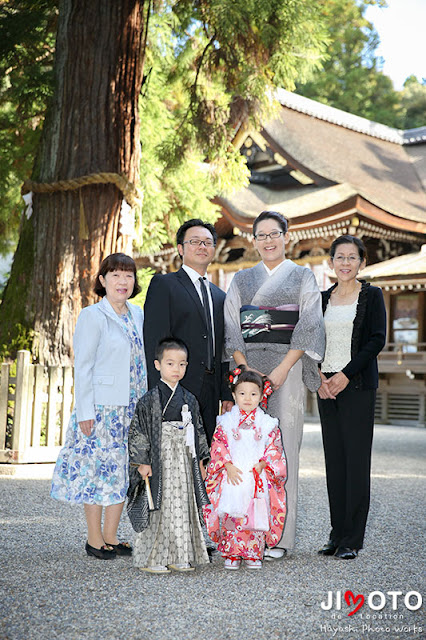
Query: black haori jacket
{"x": 145, "y": 448}
{"x": 368, "y": 336}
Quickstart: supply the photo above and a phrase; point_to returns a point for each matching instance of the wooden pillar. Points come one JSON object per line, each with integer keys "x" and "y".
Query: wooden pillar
{"x": 387, "y": 299}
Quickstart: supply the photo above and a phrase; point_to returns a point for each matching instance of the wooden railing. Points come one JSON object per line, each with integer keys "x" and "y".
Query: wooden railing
{"x": 35, "y": 406}
{"x": 36, "y": 402}
{"x": 396, "y": 359}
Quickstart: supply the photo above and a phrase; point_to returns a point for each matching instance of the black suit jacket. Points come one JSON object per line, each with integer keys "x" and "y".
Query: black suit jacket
{"x": 368, "y": 336}
{"x": 173, "y": 308}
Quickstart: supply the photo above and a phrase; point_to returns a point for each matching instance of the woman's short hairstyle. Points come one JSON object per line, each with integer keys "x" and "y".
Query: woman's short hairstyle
{"x": 271, "y": 215}
{"x": 347, "y": 239}
{"x": 116, "y": 262}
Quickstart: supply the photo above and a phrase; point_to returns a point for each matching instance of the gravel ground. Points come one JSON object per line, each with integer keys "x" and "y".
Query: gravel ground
{"x": 50, "y": 589}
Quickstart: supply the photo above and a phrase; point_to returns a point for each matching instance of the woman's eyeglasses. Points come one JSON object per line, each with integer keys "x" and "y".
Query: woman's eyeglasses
{"x": 261, "y": 237}
{"x": 351, "y": 259}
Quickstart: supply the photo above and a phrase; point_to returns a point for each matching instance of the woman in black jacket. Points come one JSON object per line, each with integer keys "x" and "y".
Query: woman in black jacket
{"x": 355, "y": 322}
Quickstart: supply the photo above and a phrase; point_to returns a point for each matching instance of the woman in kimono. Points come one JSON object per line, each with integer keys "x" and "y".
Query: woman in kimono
{"x": 274, "y": 325}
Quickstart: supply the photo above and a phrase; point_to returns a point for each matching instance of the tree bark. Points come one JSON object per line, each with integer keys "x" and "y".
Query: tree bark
{"x": 92, "y": 126}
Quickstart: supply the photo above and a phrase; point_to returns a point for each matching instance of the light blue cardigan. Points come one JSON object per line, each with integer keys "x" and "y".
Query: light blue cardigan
{"x": 102, "y": 358}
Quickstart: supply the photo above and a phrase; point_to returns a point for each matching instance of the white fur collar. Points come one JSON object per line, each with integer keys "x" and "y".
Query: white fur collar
{"x": 262, "y": 420}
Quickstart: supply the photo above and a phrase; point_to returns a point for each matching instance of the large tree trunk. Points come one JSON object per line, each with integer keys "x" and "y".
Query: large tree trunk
{"x": 92, "y": 126}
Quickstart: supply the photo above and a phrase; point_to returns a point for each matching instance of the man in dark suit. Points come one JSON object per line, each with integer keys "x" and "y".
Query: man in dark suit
{"x": 185, "y": 305}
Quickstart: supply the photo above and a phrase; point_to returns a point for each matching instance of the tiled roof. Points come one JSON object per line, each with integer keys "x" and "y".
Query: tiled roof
{"x": 349, "y": 120}
{"x": 249, "y": 202}
{"x": 386, "y": 172}
{"x": 406, "y": 265}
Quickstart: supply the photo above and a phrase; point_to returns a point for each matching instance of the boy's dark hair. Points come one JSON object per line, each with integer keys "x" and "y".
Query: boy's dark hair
{"x": 245, "y": 376}
{"x": 195, "y": 222}
{"x": 116, "y": 262}
{"x": 347, "y": 239}
{"x": 271, "y": 215}
{"x": 170, "y": 343}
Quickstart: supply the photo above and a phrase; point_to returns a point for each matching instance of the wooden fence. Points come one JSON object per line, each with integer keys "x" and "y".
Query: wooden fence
{"x": 36, "y": 403}
{"x": 35, "y": 406}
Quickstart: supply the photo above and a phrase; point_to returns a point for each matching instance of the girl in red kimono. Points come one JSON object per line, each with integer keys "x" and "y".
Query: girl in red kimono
{"x": 246, "y": 453}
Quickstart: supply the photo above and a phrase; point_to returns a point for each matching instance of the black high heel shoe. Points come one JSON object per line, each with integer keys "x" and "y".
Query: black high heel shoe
{"x": 106, "y": 552}
{"x": 121, "y": 549}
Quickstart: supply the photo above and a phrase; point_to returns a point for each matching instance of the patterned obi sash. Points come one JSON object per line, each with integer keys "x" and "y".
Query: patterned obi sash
{"x": 269, "y": 324}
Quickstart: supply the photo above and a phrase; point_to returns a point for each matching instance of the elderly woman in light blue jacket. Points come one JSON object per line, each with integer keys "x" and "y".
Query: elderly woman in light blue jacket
{"x": 110, "y": 377}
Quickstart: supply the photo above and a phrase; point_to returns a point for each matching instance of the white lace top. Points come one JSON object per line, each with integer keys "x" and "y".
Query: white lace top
{"x": 339, "y": 321}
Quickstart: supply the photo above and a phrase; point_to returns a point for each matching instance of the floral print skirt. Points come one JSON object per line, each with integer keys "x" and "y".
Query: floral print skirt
{"x": 94, "y": 469}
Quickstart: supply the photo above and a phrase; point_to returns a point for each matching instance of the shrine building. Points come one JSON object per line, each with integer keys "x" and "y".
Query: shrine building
{"x": 331, "y": 173}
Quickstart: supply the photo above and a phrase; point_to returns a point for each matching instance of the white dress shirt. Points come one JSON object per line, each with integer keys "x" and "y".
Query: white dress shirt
{"x": 195, "y": 279}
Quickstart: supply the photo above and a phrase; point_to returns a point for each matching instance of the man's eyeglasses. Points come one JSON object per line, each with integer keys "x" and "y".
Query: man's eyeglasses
{"x": 198, "y": 243}
{"x": 261, "y": 237}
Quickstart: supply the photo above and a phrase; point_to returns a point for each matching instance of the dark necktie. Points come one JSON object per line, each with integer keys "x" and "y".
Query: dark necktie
{"x": 206, "y": 305}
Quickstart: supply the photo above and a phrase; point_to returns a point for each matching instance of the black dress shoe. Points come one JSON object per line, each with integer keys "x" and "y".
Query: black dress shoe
{"x": 328, "y": 549}
{"x": 345, "y": 553}
{"x": 106, "y": 552}
{"x": 121, "y": 549}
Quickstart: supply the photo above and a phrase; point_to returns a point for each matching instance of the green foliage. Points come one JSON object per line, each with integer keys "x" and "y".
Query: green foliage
{"x": 27, "y": 38}
{"x": 257, "y": 43}
{"x": 173, "y": 177}
{"x": 414, "y": 103}
{"x": 210, "y": 68}
{"x": 248, "y": 46}
{"x": 351, "y": 79}
{"x": 15, "y": 330}
{"x": 22, "y": 338}
{"x": 144, "y": 278}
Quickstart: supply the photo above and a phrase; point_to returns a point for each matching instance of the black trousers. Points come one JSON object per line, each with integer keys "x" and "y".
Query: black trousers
{"x": 347, "y": 433}
{"x": 209, "y": 405}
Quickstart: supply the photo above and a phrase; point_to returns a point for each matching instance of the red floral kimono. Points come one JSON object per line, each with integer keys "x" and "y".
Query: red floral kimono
{"x": 245, "y": 444}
